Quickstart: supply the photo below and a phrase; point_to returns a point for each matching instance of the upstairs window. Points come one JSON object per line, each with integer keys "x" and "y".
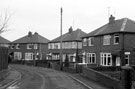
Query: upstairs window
{"x": 90, "y": 41}
{"x": 85, "y": 42}
{"x": 29, "y": 46}
{"x": 35, "y": 46}
{"x": 12, "y": 46}
{"x": 116, "y": 39}
{"x": 106, "y": 40}
{"x": 74, "y": 45}
{"x": 17, "y": 46}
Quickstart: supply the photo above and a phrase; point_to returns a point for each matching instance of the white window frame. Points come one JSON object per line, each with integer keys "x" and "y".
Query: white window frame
{"x": 90, "y": 41}
{"x": 74, "y": 45}
{"x": 127, "y": 54}
{"x": 90, "y": 58}
{"x": 106, "y": 39}
{"x": 85, "y": 42}
{"x": 117, "y": 61}
{"x": 12, "y": 46}
{"x": 116, "y": 36}
{"x": 29, "y": 56}
{"x": 17, "y": 46}
{"x": 104, "y": 59}
{"x": 18, "y": 55}
{"x": 28, "y": 46}
{"x": 35, "y": 46}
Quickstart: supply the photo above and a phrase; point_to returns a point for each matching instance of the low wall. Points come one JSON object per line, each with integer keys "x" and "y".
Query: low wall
{"x": 101, "y": 78}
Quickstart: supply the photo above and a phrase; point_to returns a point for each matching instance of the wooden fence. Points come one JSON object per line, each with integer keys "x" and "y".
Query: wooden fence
{"x": 3, "y": 58}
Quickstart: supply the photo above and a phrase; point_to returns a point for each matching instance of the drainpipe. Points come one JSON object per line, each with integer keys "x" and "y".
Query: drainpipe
{"x": 122, "y": 51}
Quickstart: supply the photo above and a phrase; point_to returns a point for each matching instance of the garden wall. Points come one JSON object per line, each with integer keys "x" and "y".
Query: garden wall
{"x": 101, "y": 78}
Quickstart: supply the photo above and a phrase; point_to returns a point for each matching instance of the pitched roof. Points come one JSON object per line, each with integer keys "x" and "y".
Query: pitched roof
{"x": 70, "y": 36}
{"x": 120, "y": 25}
{"x": 3, "y": 40}
{"x": 35, "y": 38}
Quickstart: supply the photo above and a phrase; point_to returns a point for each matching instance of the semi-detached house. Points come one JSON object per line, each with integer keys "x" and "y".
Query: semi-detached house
{"x": 113, "y": 44}
{"x": 30, "y": 47}
{"x": 71, "y": 46}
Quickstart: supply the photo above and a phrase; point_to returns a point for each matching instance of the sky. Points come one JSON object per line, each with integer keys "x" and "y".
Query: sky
{"x": 43, "y": 16}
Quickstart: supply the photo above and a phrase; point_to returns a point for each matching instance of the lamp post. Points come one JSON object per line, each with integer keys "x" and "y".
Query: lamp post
{"x": 61, "y": 64}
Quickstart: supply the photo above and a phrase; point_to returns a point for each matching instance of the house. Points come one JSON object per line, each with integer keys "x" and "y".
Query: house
{"x": 113, "y": 44}
{"x": 30, "y": 47}
{"x": 71, "y": 46}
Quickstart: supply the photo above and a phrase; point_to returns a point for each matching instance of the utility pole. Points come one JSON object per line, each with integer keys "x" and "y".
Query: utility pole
{"x": 61, "y": 64}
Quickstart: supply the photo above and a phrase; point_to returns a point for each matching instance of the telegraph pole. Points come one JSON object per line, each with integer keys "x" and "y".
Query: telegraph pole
{"x": 61, "y": 64}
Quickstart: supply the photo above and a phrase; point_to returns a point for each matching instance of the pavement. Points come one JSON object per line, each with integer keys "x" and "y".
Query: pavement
{"x": 14, "y": 76}
{"x": 90, "y": 84}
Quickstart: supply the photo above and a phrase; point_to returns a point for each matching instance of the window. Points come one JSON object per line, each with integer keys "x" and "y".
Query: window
{"x": 12, "y": 46}
{"x": 57, "y": 46}
{"x": 116, "y": 39}
{"x": 29, "y": 46}
{"x": 117, "y": 61}
{"x": 85, "y": 42}
{"x": 55, "y": 56}
{"x": 90, "y": 41}
{"x": 91, "y": 58}
{"x": 28, "y": 56}
{"x": 106, "y": 40}
{"x": 17, "y": 55}
{"x": 127, "y": 58}
{"x": 17, "y": 46}
{"x": 79, "y": 45}
{"x": 35, "y": 46}
{"x": 74, "y": 45}
{"x": 106, "y": 59}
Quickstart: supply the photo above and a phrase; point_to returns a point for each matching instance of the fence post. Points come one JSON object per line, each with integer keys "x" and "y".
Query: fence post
{"x": 126, "y": 79}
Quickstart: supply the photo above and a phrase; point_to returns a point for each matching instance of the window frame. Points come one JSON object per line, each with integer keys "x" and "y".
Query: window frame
{"x": 104, "y": 59}
{"x": 90, "y": 58}
{"x": 116, "y": 36}
{"x": 28, "y": 46}
{"x": 90, "y": 41}
{"x": 84, "y": 41}
{"x": 106, "y": 39}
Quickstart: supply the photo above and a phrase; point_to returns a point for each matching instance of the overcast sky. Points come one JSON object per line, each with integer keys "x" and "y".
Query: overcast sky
{"x": 43, "y": 16}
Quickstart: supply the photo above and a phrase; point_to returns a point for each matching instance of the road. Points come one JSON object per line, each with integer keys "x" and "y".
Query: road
{"x": 44, "y": 78}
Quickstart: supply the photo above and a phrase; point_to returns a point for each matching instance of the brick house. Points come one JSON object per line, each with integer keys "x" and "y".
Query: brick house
{"x": 71, "y": 45}
{"x": 30, "y": 47}
{"x": 113, "y": 44}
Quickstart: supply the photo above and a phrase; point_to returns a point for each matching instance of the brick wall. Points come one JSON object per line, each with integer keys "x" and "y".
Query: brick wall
{"x": 101, "y": 78}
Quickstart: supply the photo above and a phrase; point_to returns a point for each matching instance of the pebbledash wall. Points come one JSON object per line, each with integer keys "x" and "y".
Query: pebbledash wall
{"x": 3, "y": 58}
{"x": 101, "y": 78}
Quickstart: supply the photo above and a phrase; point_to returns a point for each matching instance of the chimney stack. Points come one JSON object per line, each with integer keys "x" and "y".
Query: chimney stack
{"x": 70, "y": 29}
{"x": 30, "y": 34}
{"x": 111, "y": 19}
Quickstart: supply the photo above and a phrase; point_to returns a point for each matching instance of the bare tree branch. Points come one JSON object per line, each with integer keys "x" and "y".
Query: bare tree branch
{"x": 4, "y": 21}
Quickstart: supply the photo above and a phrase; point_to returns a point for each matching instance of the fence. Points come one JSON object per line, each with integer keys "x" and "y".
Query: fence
{"x": 3, "y": 58}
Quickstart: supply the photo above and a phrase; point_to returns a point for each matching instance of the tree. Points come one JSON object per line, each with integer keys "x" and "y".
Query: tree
{"x": 4, "y": 21}
{"x": 67, "y": 61}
